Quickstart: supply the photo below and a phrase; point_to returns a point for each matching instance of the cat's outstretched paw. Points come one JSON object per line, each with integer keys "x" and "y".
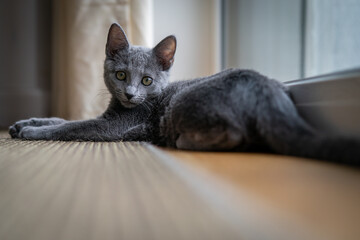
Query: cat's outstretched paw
{"x": 13, "y": 131}
{"x": 34, "y": 133}
{"x": 16, "y": 128}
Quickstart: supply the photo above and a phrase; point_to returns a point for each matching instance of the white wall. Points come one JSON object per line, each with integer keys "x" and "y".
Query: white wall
{"x": 195, "y": 25}
{"x": 332, "y": 36}
{"x": 264, "y": 35}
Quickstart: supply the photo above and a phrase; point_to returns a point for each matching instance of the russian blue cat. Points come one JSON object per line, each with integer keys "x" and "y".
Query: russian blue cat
{"x": 237, "y": 110}
{"x": 234, "y": 110}
{"x": 132, "y": 74}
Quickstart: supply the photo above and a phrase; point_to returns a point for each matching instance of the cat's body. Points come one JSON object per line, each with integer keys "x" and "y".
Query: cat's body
{"x": 233, "y": 110}
{"x": 237, "y": 110}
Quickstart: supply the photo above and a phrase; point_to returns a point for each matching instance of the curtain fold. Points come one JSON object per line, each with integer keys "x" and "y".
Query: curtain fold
{"x": 79, "y": 38}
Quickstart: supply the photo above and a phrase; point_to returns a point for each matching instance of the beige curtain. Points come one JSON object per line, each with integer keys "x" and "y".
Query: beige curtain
{"x": 79, "y": 37}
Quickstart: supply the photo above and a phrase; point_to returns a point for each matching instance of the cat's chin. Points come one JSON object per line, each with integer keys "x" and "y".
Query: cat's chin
{"x": 129, "y": 104}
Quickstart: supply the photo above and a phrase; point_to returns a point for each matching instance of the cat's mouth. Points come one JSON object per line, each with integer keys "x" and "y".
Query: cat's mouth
{"x": 129, "y": 104}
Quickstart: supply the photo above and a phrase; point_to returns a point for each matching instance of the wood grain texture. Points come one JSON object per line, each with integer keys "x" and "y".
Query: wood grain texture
{"x": 85, "y": 190}
{"x": 320, "y": 198}
{"x": 119, "y": 190}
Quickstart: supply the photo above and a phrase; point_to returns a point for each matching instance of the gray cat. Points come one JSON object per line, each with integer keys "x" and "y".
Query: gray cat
{"x": 132, "y": 74}
{"x": 237, "y": 110}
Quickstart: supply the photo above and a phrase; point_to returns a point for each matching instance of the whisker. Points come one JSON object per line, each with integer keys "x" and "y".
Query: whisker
{"x": 147, "y": 107}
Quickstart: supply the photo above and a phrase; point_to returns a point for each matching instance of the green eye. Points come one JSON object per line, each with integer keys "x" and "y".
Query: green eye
{"x": 120, "y": 75}
{"x": 147, "y": 81}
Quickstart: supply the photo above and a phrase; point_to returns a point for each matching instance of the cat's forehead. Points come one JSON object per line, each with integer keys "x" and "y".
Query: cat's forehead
{"x": 136, "y": 57}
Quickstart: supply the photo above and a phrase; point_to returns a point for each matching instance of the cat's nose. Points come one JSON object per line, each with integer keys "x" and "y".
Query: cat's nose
{"x": 129, "y": 96}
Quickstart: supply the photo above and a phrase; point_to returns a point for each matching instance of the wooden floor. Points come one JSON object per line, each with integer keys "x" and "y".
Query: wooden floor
{"x": 83, "y": 190}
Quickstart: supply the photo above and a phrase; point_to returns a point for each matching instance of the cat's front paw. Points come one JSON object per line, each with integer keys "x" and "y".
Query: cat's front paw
{"x": 33, "y": 133}
{"x": 15, "y": 129}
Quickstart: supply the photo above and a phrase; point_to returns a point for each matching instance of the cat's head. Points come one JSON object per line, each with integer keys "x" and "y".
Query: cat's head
{"x": 133, "y": 73}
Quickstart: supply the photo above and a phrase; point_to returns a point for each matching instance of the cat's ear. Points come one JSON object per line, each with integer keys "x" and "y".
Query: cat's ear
{"x": 116, "y": 40}
{"x": 165, "y": 51}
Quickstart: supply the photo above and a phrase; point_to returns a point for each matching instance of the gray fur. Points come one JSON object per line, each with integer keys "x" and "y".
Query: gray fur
{"x": 237, "y": 110}
{"x": 122, "y": 113}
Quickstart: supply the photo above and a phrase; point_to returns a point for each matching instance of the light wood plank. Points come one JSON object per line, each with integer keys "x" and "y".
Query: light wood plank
{"x": 85, "y": 190}
{"x": 111, "y": 190}
{"x": 320, "y": 197}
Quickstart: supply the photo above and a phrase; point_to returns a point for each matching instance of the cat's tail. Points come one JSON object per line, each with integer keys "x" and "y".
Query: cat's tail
{"x": 286, "y": 132}
{"x": 316, "y": 146}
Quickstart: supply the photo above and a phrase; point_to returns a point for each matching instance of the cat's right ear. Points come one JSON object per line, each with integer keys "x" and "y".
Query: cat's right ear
{"x": 116, "y": 40}
{"x": 165, "y": 51}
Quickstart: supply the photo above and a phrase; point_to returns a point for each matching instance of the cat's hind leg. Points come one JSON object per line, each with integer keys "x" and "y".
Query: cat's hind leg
{"x": 16, "y": 128}
{"x": 214, "y": 139}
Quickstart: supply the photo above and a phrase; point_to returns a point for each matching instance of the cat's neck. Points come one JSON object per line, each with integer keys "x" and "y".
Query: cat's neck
{"x": 115, "y": 105}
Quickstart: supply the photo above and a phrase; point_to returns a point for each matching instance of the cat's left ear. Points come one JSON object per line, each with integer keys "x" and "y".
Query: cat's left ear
{"x": 165, "y": 51}
{"x": 116, "y": 40}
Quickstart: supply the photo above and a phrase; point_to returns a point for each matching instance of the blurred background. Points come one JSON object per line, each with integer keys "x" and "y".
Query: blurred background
{"x": 52, "y": 52}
